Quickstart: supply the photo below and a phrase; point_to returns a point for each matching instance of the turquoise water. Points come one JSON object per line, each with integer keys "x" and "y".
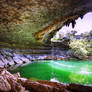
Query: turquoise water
{"x": 62, "y": 71}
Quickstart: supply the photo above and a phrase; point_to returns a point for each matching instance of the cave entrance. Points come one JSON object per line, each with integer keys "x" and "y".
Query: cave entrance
{"x": 81, "y": 31}
{"x": 83, "y": 26}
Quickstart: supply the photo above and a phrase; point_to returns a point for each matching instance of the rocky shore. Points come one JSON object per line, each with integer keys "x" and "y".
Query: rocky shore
{"x": 13, "y": 58}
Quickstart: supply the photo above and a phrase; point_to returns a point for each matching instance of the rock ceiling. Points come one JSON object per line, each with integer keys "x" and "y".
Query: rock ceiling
{"x": 31, "y": 22}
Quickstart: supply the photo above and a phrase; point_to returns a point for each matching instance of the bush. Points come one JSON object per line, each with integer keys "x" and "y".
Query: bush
{"x": 80, "y": 47}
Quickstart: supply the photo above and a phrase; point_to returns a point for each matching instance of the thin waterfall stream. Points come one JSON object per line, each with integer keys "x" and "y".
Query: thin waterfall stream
{"x": 52, "y": 55}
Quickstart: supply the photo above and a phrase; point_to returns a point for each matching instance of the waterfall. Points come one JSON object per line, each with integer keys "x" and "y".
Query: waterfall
{"x": 52, "y": 60}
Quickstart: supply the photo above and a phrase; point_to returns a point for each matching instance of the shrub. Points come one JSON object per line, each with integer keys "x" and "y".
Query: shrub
{"x": 80, "y": 47}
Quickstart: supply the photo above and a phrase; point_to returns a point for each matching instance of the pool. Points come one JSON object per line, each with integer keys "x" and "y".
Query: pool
{"x": 62, "y": 71}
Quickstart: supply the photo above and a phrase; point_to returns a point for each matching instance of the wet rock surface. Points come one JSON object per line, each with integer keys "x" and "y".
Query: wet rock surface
{"x": 14, "y": 83}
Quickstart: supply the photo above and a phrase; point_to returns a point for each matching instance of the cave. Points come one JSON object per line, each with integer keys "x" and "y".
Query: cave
{"x": 45, "y": 46}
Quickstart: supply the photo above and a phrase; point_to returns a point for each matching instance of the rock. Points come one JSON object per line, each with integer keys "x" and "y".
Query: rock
{"x": 42, "y": 87}
{"x": 25, "y": 60}
{"x": 17, "y": 60}
{"x": 29, "y": 57}
{"x": 79, "y": 88}
{"x": 7, "y": 53}
{"x": 56, "y": 58}
{"x": 13, "y": 66}
{"x": 4, "y": 85}
{"x": 64, "y": 43}
{"x": 54, "y": 84}
{"x": 1, "y": 63}
{"x": 2, "y": 57}
{"x": 63, "y": 58}
{"x": 6, "y": 63}
{"x": 11, "y": 61}
{"x": 50, "y": 58}
{"x": 89, "y": 57}
{"x": 26, "y": 23}
{"x": 8, "y": 82}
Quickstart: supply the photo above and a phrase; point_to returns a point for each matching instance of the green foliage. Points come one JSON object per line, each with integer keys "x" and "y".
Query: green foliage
{"x": 80, "y": 47}
{"x": 90, "y": 49}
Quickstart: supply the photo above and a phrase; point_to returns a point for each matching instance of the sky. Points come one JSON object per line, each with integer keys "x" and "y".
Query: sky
{"x": 82, "y": 25}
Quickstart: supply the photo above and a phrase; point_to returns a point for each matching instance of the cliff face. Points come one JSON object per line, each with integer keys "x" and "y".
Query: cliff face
{"x": 29, "y": 22}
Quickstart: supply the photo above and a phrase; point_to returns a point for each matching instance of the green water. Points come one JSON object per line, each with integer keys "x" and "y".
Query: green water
{"x": 63, "y": 71}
